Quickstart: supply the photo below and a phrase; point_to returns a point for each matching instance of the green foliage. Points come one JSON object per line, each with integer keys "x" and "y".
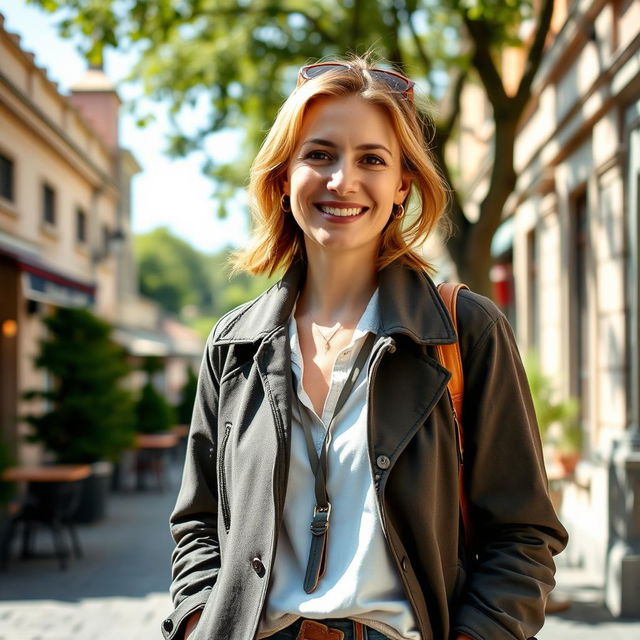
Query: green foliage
{"x": 557, "y": 419}
{"x": 171, "y": 271}
{"x": 175, "y": 275}
{"x": 88, "y": 416}
{"x": 187, "y": 397}
{"x": 153, "y": 413}
{"x": 243, "y": 56}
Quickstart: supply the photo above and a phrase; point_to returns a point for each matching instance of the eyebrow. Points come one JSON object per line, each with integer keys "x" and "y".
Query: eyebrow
{"x": 363, "y": 147}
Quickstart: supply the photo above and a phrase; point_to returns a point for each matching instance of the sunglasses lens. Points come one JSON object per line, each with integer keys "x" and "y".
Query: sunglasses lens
{"x": 315, "y": 70}
{"x": 394, "y": 82}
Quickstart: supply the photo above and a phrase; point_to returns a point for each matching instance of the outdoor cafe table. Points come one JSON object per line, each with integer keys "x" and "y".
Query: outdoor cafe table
{"x": 47, "y": 473}
{"x": 52, "y": 498}
{"x": 152, "y": 453}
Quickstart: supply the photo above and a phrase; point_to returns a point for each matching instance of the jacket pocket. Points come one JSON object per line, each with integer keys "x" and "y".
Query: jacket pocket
{"x": 222, "y": 479}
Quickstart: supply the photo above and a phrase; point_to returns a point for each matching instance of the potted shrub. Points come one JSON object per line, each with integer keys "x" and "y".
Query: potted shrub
{"x": 153, "y": 413}
{"x": 557, "y": 419}
{"x": 188, "y": 392}
{"x": 88, "y": 416}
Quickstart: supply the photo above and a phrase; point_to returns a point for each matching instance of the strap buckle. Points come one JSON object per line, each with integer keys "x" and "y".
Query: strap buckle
{"x": 320, "y": 521}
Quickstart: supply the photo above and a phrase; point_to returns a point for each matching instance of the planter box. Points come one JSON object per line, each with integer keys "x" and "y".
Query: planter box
{"x": 95, "y": 493}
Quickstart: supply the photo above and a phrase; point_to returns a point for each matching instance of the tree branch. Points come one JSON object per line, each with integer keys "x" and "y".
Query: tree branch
{"x": 535, "y": 53}
{"x": 454, "y": 105}
{"x": 422, "y": 53}
{"x": 484, "y": 64}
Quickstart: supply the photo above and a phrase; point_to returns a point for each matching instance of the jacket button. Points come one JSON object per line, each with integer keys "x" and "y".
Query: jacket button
{"x": 258, "y": 567}
{"x": 403, "y": 564}
{"x": 383, "y": 462}
{"x": 167, "y": 625}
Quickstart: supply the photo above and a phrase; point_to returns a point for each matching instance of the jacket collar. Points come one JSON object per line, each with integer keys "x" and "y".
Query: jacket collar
{"x": 409, "y": 305}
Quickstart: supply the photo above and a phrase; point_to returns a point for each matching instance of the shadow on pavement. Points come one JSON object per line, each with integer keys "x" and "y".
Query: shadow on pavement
{"x": 125, "y": 555}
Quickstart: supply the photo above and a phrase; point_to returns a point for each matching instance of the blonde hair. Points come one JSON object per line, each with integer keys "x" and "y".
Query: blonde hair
{"x": 277, "y": 239}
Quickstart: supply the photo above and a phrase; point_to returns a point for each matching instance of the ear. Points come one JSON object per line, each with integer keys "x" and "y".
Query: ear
{"x": 403, "y": 188}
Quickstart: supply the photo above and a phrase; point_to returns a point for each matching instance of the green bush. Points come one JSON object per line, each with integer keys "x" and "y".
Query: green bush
{"x": 187, "y": 398}
{"x": 557, "y": 419}
{"x": 153, "y": 413}
{"x": 90, "y": 416}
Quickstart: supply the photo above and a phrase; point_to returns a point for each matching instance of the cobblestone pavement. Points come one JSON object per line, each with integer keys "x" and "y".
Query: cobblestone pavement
{"x": 118, "y": 591}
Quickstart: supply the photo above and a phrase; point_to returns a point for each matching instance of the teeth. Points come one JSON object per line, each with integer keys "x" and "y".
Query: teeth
{"x": 341, "y": 212}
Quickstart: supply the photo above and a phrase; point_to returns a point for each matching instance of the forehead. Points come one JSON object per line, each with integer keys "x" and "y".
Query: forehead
{"x": 348, "y": 119}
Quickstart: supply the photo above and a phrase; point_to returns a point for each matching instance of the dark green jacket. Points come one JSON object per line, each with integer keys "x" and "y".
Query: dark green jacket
{"x": 229, "y": 509}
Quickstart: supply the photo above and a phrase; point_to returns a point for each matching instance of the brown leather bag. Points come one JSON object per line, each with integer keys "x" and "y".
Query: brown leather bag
{"x": 450, "y": 359}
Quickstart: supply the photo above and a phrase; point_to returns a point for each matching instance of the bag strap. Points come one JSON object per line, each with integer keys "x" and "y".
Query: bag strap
{"x": 450, "y": 358}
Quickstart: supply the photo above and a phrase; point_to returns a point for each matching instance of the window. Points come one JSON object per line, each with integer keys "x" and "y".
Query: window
{"x": 582, "y": 350}
{"x": 6, "y": 177}
{"x": 81, "y": 225}
{"x": 48, "y": 204}
{"x": 106, "y": 239}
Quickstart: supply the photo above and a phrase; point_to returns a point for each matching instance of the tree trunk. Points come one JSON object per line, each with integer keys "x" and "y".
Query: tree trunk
{"x": 472, "y": 254}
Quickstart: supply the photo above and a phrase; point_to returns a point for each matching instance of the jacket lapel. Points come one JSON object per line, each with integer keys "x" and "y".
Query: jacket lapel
{"x": 407, "y": 383}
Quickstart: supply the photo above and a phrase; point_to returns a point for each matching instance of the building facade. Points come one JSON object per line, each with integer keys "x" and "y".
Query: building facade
{"x": 65, "y": 227}
{"x": 573, "y": 231}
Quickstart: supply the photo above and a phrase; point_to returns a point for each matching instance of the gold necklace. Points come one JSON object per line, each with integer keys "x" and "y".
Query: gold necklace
{"x": 327, "y": 340}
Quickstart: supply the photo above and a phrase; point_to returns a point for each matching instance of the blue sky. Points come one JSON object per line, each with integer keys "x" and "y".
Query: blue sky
{"x": 167, "y": 192}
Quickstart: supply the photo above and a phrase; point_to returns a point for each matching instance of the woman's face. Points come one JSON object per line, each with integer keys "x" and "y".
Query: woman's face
{"x": 345, "y": 176}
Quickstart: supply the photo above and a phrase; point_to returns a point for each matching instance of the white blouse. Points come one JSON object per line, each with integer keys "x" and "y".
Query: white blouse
{"x": 360, "y": 581}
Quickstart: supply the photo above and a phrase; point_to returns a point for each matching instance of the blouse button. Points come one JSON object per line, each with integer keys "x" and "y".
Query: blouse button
{"x": 383, "y": 462}
{"x": 168, "y": 625}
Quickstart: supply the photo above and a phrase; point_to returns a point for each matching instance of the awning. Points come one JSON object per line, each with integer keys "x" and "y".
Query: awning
{"x": 502, "y": 241}
{"x": 43, "y": 282}
{"x": 142, "y": 342}
{"x": 51, "y": 288}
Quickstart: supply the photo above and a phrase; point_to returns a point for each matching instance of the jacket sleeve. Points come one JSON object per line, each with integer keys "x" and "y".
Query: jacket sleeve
{"x": 515, "y": 529}
{"x": 193, "y": 524}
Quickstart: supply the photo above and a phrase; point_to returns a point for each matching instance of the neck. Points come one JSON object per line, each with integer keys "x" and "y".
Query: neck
{"x": 337, "y": 287}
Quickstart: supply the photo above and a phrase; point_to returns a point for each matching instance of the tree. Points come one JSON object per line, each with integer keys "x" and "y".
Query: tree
{"x": 171, "y": 271}
{"x": 240, "y": 58}
{"x": 89, "y": 416}
{"x": 188, "y": 393}
{"x": 153, "y": 413}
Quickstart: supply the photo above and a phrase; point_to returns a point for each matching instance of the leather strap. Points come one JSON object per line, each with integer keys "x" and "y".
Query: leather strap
{"x": 316, "y": 563}
{"x": 450, "y": 358}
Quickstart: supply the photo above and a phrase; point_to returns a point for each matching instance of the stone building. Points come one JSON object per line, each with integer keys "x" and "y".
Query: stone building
{"x": 571, "y": 232}
{"x": 65, "y": 226}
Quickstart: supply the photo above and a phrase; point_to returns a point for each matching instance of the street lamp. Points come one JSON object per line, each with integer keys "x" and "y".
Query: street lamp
{"x": 113, "y": 243}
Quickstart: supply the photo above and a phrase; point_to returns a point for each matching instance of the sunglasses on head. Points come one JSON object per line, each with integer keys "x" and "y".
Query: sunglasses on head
{"x": 396, "y": 82}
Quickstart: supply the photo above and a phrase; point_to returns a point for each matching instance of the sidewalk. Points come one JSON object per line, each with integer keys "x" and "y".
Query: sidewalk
{"x": 118, "y": 591}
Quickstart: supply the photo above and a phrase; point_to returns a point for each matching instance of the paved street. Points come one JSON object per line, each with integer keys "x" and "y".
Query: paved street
{"x": 118, "y": 591}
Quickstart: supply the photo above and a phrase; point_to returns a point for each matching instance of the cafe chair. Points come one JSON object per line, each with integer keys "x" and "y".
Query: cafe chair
{"x": 52, "y": 505}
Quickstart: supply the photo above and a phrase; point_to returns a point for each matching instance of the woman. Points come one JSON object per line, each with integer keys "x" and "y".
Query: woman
{"x": 320, "y": 490}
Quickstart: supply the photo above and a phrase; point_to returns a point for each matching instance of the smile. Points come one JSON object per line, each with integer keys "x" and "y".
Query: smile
{"x": 341, "y": 212}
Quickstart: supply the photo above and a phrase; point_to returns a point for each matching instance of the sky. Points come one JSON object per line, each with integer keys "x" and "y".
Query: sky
{"x": 168, "y": 192}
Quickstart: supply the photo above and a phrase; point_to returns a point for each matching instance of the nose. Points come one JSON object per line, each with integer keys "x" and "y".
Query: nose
{"x": 342, "y": 179}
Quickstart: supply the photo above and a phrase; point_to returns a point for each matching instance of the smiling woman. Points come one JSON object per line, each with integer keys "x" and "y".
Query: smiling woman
{"x": 320, "y": 492}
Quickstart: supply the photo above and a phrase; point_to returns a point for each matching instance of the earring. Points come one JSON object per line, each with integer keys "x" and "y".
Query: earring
{"x": 285, "y": 203}
{"x": 398, "y": 212}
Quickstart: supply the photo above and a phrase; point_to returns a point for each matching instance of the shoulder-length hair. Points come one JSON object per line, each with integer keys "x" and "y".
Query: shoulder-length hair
{"x": 277, "y": 240}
